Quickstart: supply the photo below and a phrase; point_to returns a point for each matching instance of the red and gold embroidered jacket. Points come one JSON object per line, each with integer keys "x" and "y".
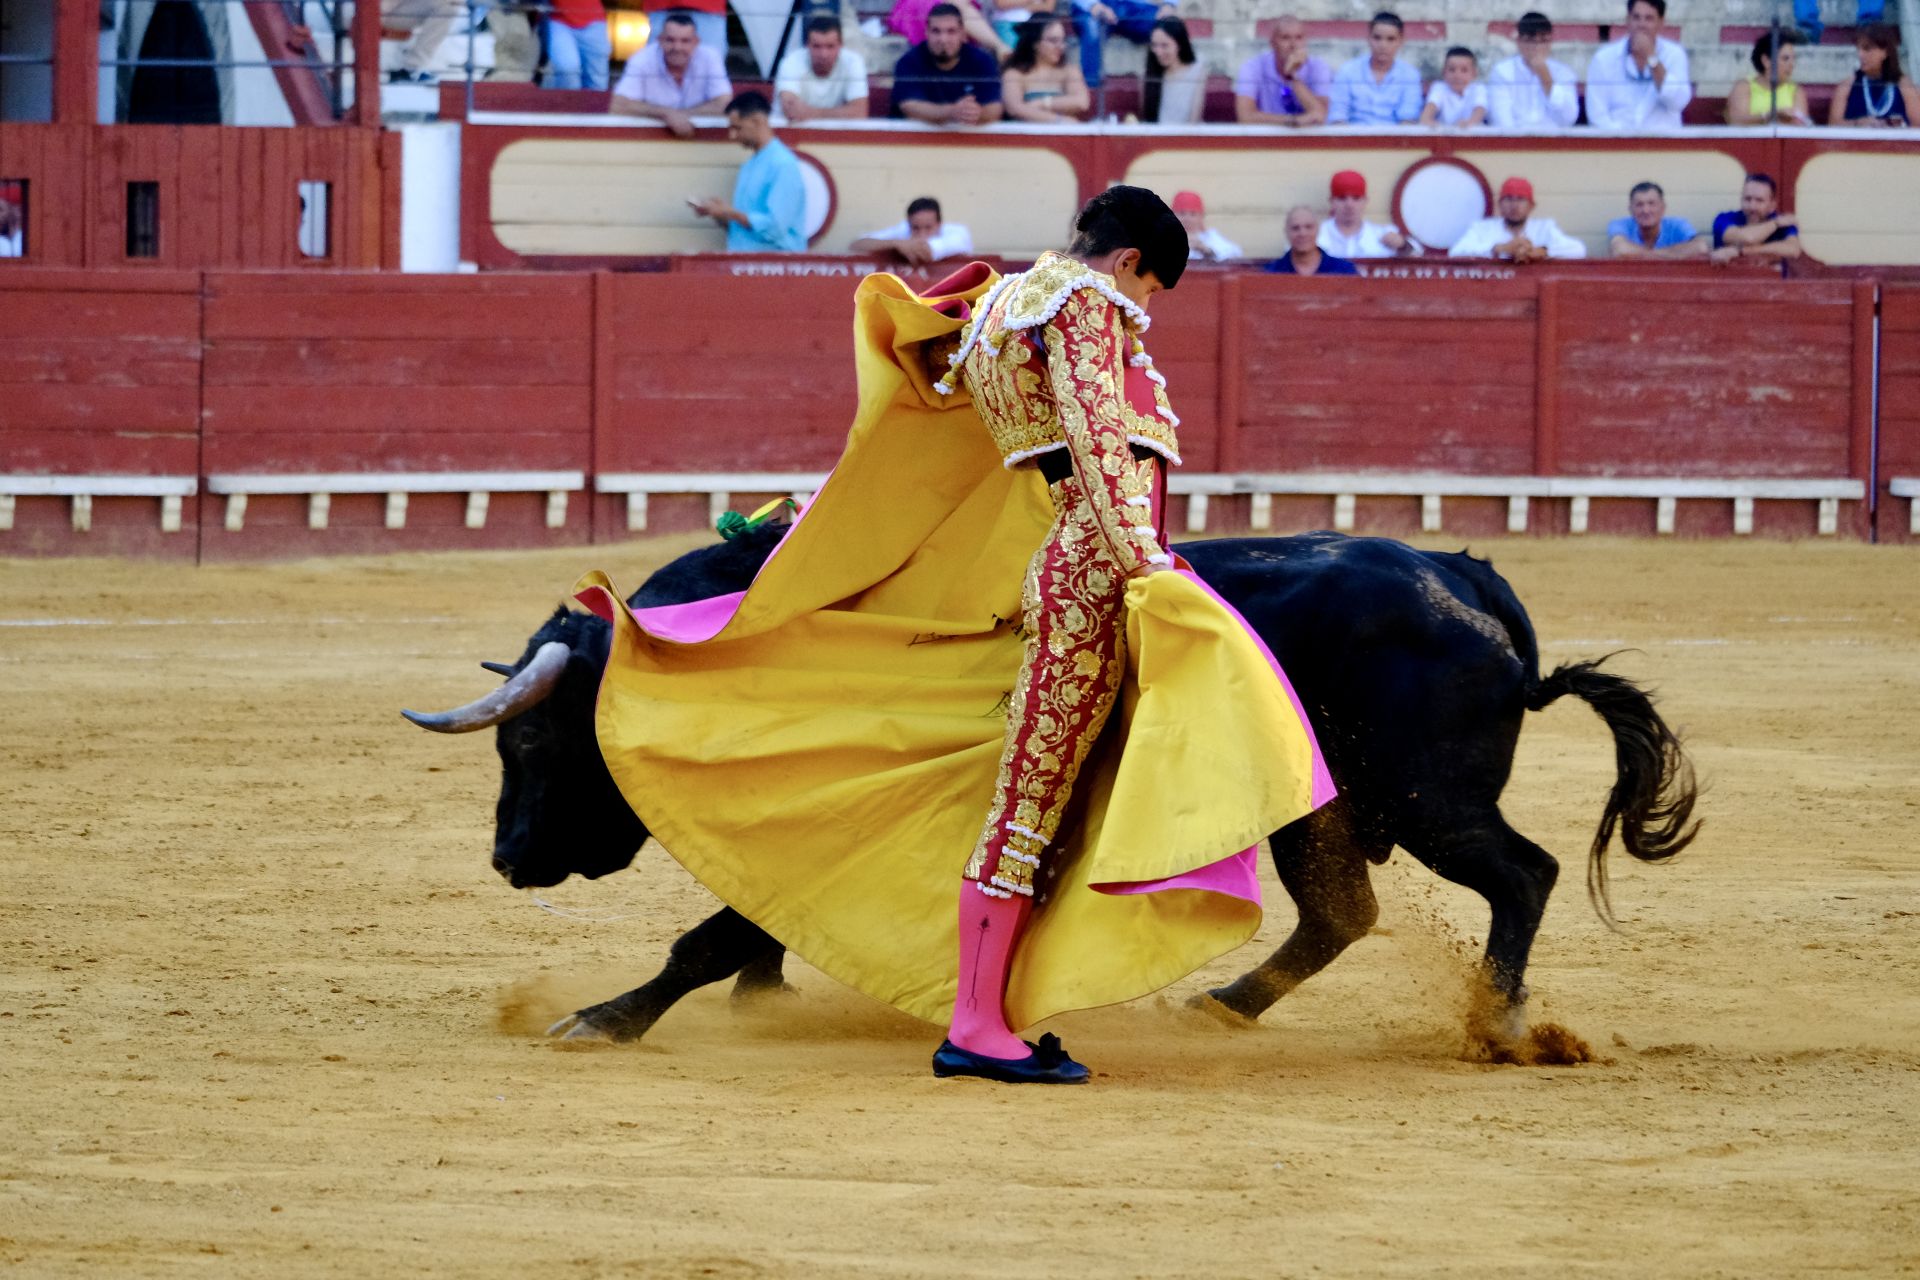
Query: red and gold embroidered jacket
{"x": 1054, "y": 361}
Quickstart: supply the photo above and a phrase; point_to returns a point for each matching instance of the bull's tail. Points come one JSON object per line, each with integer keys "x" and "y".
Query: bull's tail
{"x": 1651, "y": 804}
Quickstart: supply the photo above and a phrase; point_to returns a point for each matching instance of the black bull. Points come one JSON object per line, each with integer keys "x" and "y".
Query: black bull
{"x": 1416, "y": 668}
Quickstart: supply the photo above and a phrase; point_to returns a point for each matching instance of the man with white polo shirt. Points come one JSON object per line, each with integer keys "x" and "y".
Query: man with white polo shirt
{"x": 1532, "y": 90}
{"x": 1640, "y": 82}
{"x": 1514, "y": 234}
{"x": 825, "y": 80}
{"x": 1347, "y": 234}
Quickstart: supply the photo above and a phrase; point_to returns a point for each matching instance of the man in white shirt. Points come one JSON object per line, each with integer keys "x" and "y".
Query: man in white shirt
{"x": 924, "y": 237}
{"x": 824, "y": 81}
{"x": 1641, "y": 82}
{"x": 1347, "y": 234}
{"x": 1515, "y": 234}
{"x": 1203, "y": 242}
{"x": 1531, "y": 90}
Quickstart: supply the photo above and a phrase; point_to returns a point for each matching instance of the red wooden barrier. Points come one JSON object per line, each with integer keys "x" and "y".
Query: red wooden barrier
{"x": 99, "y": 377}
{"x": 1899, "y": 444}
{"x": 392, "y": 375}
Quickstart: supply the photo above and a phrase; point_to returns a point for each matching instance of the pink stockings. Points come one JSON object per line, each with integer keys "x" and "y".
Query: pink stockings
{"x": 989, "y": 930}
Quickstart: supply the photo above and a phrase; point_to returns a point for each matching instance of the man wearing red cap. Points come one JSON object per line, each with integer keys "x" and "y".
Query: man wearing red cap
{"x": 1515, "y": 234}
{"x": 1203, "y": 242}
{"x": 1347, "y": 234}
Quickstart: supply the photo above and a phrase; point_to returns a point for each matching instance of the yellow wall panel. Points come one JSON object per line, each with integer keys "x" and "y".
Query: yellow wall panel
{"x": 1859, "y": 207}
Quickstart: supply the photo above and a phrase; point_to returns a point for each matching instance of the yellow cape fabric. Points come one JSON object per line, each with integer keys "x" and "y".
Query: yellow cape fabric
{"x": 825, "y": 762}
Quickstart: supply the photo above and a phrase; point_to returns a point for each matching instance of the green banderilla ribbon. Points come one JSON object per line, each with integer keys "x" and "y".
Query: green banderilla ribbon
{"x": 732, "y": 524}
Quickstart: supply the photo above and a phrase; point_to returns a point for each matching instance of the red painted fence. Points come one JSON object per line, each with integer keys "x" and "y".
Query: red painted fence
{"x": 397, "y": 397}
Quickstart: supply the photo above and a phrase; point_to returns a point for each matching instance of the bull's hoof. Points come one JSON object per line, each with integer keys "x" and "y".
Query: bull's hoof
{"x": 1208, "y": 1002}
{"x": 760, "y": 1001}
{"x": 574, "y": 1031}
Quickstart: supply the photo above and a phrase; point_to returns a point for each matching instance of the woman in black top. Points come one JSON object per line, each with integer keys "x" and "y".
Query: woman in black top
{"x": 1879, "y": 95}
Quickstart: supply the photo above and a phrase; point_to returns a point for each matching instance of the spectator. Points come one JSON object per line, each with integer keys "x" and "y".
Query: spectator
{"x": 1457, "y": 98}
{"x": 769, "y": 206}
{"x": 1764, "y": 99}
{"x": 1094, "y": 21}
{"x": 924, "y": 237}
{"x": 709, "y": 18}
{"x": 1379, "y": 88}
{"x": 909, "y": 19}
{"x": 1806, "y": 16}
{"x": 1040, "y": 84}
{"x": 824, "y": 81}
{"x": 1515, "y": 234}
{"x": 1879, "y": 95}
{"x": 1347, "y": 234}
{"x": 516, "y": 50}
{"x": 945, "y": 80}
{"x": 1641, "y": 81}
{"x": 1283, "y": 85}
{"x": 673, "y": 79}
{"x": 1531, "y": 90}
{"x": 1304, "y": 256}
{"x": 1647, "y": 231}
{"x": 429, "y": 21}
{"x": 578, "y": 47}
{"x": 1757, "y": 229}
{"x": 1202, "y": 241}
{"x": 1176, "y": 83}
{"x": 13, "y": 222}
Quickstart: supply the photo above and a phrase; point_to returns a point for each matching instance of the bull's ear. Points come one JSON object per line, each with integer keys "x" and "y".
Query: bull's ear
{"x": 502, "y": 669}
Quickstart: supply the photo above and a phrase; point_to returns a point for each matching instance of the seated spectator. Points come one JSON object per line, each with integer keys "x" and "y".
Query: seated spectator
{"x": 13, "y": 222}
{"x": 1641, "y": 81}
{"x": 1806, "y": 16}
{"x": 1647, "y": 231}
{"x": 1879, "y": 95}
{"x": 1762, "y": 99}
{"x": 824, "y": 81}
{"x": 1175, "y": 89}
{"x": 924, "y": 237}
{"x": 1514, "y": 233}
{"x": 1379, "y": 88}
{"x": 709, "y": 18}
{"x": 1757, "y": 229}
{"x": 428, "y": 22}
{"x": 1457, "y": 99}
{"x": 1095, "y": 20}
{"x": 1283, "y": 85}
{"x": 1531, "y": 90}
{"x": 1202, "y": 241}
{"x": 945, "y": 80}
{"x": 673, "y": 79}
{"x": 579, "y": 49}
{"x": 769, "y": 206}
{"x": 1040, "y": 84}
{"x": 1347, "y": 234}
{"x": 1304, "y": 257}
{"x": 909, "y": 19}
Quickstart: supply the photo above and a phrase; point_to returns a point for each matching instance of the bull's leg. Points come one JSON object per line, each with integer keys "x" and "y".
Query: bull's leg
{"x": 762, "y": 977}
{"x": 718, "y": 947}
{"x": 1515, "y": 875}
{"x": 1323, "y": 864}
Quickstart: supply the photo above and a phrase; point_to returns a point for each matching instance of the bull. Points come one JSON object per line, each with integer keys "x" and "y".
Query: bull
{"x": 1415, "y": 667}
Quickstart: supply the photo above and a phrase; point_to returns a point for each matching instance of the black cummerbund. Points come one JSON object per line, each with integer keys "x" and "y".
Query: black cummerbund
{"x": 1056, "y": 466}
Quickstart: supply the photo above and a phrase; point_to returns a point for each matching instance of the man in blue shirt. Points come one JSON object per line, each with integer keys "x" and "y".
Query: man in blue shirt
{"x": 1647, "y": 231}
{"x": 945, "y": 80}
{"x": 769, "y": 207}
{"x": 1379, "y": 88}
{"x": 1758, "y": 228}
{"x": 1304, "y": 257}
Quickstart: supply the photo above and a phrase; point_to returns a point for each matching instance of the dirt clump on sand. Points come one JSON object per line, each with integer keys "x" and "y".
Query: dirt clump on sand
{"x": 266, "y": 1010}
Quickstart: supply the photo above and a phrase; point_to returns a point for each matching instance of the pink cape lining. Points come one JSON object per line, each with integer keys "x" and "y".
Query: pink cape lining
{"x": 1236, "y": 875}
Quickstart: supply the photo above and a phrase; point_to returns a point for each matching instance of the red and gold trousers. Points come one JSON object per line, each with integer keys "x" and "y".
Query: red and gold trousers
{"x": 1072, "y": 611}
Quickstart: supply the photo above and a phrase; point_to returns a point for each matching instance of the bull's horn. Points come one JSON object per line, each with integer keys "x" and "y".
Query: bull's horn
{"x": 504, "y": 669}
{"x": 532, "y": 684}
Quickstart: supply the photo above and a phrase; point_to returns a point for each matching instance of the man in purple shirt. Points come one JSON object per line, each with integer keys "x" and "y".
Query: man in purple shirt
{"x": 1283, "y": 85}
{"x": 673, "y": 79}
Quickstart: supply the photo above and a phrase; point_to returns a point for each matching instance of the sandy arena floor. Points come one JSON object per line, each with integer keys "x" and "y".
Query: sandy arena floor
{"x": 265, "y": 1011}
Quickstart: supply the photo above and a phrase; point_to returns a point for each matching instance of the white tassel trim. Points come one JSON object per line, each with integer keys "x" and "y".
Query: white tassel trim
{"x": 1058, "y": 298}
{"x": 954, "y": 361}
{"x": 1018, "y": 856}
{"x": 1144, "y": 531}
{"x": 1015, "y": 459}
{"x": 1025, "y": 891}
{"x": 1139, "y": 502}
{"x": 1162, "y": 558}
{"x": 1029, "y": 833}
{"x": 990, "y": 891}
{"x": 1140, "y": 360}
{"x": 1158, "y": 447}
{"x": 1154, "y": 375}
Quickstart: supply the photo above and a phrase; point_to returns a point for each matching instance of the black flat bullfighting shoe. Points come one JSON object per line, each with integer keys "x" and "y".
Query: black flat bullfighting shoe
{"x": 1047, "y": 1064}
